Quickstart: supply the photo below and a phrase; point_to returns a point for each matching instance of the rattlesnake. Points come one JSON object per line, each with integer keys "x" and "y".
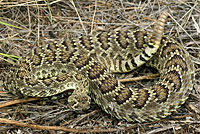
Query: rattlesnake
{"x": 86, "y": 65}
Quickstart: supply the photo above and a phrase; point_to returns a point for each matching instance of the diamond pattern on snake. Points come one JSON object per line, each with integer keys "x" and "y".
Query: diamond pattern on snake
{"x": 87, "y": 64}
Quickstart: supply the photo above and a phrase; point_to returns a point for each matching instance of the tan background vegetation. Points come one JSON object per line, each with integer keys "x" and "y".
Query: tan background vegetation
{"x": 25, "y": 24}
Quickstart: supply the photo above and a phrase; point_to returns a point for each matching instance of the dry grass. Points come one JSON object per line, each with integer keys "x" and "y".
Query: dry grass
{"x": 24, "y": 24}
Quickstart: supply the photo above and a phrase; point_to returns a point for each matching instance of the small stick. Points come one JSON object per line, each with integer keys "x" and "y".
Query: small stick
{"x": 153, "y": 76}
{"x": 13, "y": 102}
{"x": 61, "y": 128}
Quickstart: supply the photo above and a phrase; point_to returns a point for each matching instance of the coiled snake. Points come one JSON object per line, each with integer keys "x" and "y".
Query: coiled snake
{"x": 85, "y": 65}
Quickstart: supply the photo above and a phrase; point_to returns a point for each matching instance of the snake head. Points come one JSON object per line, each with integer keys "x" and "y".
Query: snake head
{"x": 79, "y": 101}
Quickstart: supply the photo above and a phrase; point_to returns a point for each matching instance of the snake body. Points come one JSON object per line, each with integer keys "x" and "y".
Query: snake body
{"x": 85, "y": 65}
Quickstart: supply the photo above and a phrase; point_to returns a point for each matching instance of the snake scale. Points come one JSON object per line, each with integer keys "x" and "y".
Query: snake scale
{"x": 86, "y": 65}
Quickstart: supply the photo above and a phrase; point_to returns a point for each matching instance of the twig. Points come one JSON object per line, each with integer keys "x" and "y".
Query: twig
{"x": 78, "y": 16}
{"x": 95, "y": 9}
{"x": 21, "y": 124}
{"x": 164, "y": 129}
{"x": 13, "y": 102}
{"x": 153, "y": 76}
